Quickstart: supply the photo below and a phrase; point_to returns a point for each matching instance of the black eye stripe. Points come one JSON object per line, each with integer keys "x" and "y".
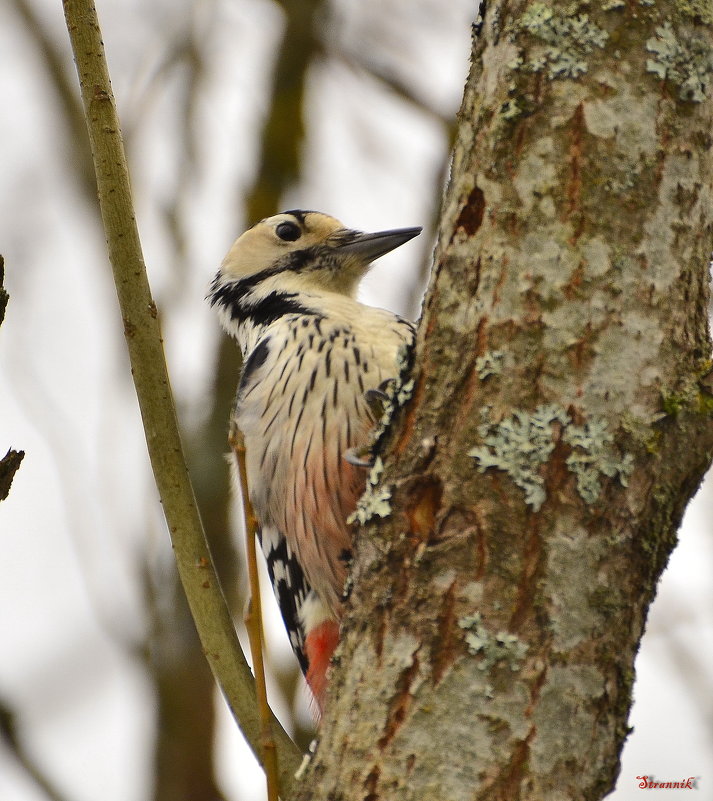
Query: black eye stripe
{"x": 288, "y": 231}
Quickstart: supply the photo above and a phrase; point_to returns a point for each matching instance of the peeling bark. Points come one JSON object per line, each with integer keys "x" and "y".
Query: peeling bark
{"x": 537, "y": 473}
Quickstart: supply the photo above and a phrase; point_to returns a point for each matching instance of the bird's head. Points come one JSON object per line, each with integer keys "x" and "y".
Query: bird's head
{"x": 312, "y": 250}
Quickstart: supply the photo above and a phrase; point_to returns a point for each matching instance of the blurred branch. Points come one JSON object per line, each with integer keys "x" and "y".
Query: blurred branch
{"x": 283, "y": 130}
{"x": 4, "y": 297}
{"x": 8, "y": 735}
{"x": 184, "y": 763}
{"x": 182, "y": 65}
{"x": 69, "y": 106}
{"x": 183, "y": 686}
{"x": 361, "y": 62}
{"x": 141, "y": 328}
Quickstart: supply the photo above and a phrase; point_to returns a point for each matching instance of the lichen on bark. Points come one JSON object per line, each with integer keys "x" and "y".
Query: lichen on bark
{"x": 574, "y": 240}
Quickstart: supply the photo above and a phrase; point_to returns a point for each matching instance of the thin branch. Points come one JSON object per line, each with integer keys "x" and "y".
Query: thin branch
{"x": 10, "y": 463}
{"x": 141, "y": 329}
{"x": 4, "y": 297}
{"x": 9, "y": 736}
{"x": 361, "y": 62}
{"x": 279, "y": 164}
{"x": 253, "y": 622}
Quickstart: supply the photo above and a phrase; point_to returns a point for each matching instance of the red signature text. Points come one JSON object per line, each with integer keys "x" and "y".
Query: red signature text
{"x": 650, "y": 783}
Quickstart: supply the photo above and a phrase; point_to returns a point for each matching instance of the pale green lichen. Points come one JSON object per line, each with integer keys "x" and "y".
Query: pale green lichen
{"x": 493, "y": 648}
{"x": 568, "y": 38}
{"x": 403, "y": 359}
{"x": 520, "y": 445}
{"x": 383, "y": 403}
{"x": 490, "y": 363}
{"x": 396, "y": 391}
{"x": 374, "y": 502}
{"x": 593, "y": 457}
{"x": 510, "y": 110}
{"x": 610, "y": 5}
{"x": 404, "y": 392}
{"x": 685, "y": 61}
{"x": 388, "y": 407}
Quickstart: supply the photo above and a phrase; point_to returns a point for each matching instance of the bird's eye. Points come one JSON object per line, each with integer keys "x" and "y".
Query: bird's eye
{"x": 288, "y": 231}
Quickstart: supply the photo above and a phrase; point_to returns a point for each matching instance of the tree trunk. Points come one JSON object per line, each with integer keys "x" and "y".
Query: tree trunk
{"x": 558, "y": 422}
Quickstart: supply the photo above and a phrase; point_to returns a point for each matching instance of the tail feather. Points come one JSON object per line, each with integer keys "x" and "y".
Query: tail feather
{"x": 319, "y": 646}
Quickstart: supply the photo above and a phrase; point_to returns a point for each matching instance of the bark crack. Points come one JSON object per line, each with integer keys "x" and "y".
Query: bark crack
{"x": 401, "y": 701}
{"x": 370, "y": 784}
{"x": 574, "y": 186}
{"x": 443, "y": 651}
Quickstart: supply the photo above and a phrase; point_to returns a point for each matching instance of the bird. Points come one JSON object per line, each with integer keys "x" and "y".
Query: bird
{"x": 312, "y": 357}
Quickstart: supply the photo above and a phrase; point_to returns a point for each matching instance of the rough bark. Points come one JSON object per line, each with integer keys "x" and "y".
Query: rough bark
{"x": 558, "y": 421}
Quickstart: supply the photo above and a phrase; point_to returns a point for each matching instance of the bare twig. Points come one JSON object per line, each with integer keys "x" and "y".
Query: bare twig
{"x": 253, "y": 622}
{"x": 10, "y": 463}
{"x": 141, "y": 329}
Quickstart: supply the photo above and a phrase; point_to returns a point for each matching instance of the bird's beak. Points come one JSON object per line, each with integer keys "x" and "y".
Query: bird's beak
{"x": 368, "y": 247}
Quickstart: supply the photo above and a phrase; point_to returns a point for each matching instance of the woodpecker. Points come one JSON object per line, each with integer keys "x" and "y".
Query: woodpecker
{"x": 312, "y": 354}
